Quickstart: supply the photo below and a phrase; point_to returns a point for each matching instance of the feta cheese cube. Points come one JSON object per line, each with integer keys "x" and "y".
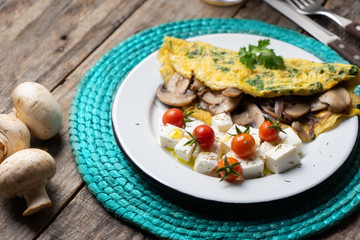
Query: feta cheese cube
{"x": 255, "y": 133}
{"x": 282, "y": 158}
{"x": 291, "y": 138}
{"x": 225, "y": 143}
{"x": 263, "y": 149}
{"x": 205, "y": 162}
{"x": 222, "y": 122}
{"x": 170, "y": 135}
{"x": 190, "y": 126}
{"x": 252, "y": 168}
{"x": 184, "y": 151}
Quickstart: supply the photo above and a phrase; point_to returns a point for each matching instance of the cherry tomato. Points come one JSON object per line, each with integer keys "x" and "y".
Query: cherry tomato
{"x": 205, "y": 136}
{"x": 243, "y": 145}
{"x": 230, "y": 170}
{"x": 174, "y": 117}
{"x": 266, "y": 133}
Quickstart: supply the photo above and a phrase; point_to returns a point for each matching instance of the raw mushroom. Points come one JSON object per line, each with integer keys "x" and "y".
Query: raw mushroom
{"x": 38, "y": 109}
{"x": 252, "y": 115}
{"x": 25, "y": 174}
{"x": 14, "y": 135}
{"x": 175, "y": 92}
{"x": 337, "y": 99}
{"x": 219, "y": 103}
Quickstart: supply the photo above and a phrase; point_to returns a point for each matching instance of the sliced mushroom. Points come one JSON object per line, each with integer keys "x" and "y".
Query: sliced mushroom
{"x": 296, "y": 110}
{"x": 279, "y": 107}
{"x": 231, "y": 92}
{"x": 175, "y": 92}
{"x": 218, "y": 103}
{"x": 316, "y": 105}
{"x": 303, "y": 135}
{"x": 337, "y": 99}
{"x": 252, "y": 115}
{"x": 198, "y": 87}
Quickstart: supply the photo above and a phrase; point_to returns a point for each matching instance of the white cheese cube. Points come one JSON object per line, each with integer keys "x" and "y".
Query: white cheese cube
{"x": 291, "y": 138}
{"x": 282, "y": 158}
{"x": 190, "y": 126}
{"x": 222, "y": 122}
{"x": 205, "y": 162}
{"x": 225, "y": 143}
{"x": 255, "y": 133}
{"x": 263, "y": 149}
{"x": 232, "y": 130}
{"x": 184, "y": 151}
{"x": 252, "y": 168}
{"x": 170, "y": 135}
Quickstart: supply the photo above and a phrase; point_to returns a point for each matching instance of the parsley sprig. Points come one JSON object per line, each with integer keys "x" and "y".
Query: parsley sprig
{"x": 260, "y": 55}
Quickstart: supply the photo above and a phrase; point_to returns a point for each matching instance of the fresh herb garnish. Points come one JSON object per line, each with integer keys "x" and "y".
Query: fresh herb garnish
{"x": 353, "y": 70}
{"x": 260, "y": 55}
{"x": 228, "y": 169}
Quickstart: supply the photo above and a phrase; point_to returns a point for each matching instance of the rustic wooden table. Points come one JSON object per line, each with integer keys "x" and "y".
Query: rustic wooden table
{"x": 54, "y": 43}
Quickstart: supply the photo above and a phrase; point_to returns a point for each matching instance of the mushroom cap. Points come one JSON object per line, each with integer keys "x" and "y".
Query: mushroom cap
{"x": 218, "y": 103}
{"x": 14, "y": 135}
{"x": 175, "y": 92}
{"x": 25, "y": 170}
{"x": 38, "y": 109}
{"x": 252, "y": 115}
{"x": 296, "y": 110}
{"x": 337, "y": 98}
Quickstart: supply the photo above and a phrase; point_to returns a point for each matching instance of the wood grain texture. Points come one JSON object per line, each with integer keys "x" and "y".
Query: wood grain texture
{"x": 55, "y": 43}
{"x": 78, "y": 28}
{"x": 45, "y": 41}
{"x": 84, "y": 218}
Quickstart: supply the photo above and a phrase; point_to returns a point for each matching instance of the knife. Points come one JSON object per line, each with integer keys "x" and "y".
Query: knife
{"x": 317, "y": 31}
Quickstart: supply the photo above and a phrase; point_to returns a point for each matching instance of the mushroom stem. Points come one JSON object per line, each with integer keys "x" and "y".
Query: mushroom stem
{"x": 37, "y": 199}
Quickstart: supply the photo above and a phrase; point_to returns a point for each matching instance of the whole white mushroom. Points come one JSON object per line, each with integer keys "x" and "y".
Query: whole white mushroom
{"x": 14, "y": 135}
{"x": 25, "y": 174}
{"x": 38, "y": 109}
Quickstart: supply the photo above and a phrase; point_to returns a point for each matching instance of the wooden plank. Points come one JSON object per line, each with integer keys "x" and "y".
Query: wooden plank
{"x": 45, "y": 40}
{"x": 259, "y": 10}
{"x": 84, "y": 218}
{"x": 86, "y": 26}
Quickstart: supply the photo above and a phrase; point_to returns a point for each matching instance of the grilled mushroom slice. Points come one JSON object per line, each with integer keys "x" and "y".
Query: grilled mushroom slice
{"x": 337, "y": 99}
{"x": 252, "y": 115}
{"x": 175, "y": 92}
{"x": 198, "y": 87}
{"x": 231, "y": 92}
{"x": 218, "y": 103}
{"x": 296, "y": 110}
{"x": 304, "y": 136}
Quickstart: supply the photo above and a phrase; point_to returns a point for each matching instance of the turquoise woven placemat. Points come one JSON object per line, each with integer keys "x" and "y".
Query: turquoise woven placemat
{"x": 130, "y": 196}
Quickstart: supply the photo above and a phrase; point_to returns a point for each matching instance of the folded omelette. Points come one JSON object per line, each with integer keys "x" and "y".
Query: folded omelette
{"x": 219, "y": 68}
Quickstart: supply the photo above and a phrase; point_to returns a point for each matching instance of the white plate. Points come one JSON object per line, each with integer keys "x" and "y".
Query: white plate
{"x": 136, "y": 116}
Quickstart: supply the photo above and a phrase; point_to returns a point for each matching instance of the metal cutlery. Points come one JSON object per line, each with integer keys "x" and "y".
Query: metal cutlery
{"x": 313, "y": 28}
{"x": 309, "y": 7}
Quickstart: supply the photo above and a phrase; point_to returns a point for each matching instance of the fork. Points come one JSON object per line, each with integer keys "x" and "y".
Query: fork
{"x": 309, "y": 7}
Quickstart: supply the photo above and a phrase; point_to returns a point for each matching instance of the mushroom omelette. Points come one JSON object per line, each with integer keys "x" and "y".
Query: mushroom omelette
{"x": 310, "y": 97}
